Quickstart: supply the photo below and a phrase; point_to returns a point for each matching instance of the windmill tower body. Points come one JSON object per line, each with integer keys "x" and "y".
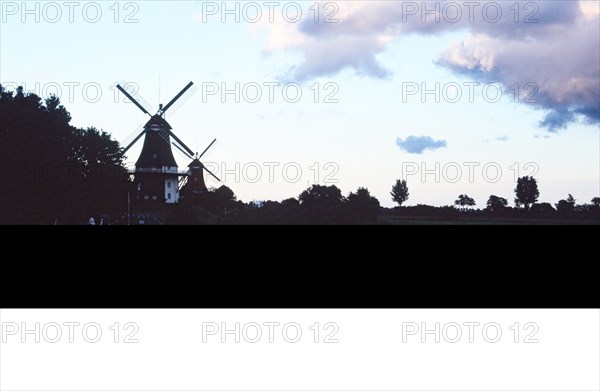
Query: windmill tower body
{"x": 156, "y": 172}
{"x": 195, "y": 183}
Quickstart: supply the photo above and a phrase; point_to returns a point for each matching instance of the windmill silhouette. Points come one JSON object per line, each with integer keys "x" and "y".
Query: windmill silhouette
{"x": 157, "y": 178}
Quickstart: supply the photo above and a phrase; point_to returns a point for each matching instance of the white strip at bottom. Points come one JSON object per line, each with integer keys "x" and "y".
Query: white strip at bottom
{"x": 300, "y": 349}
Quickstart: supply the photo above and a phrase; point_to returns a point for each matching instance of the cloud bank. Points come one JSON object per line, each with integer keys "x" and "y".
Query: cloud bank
{"x": 553, "y": 44}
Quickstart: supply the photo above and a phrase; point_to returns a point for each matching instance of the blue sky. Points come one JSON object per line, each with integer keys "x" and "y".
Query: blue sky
{"x": 374, "y": 51}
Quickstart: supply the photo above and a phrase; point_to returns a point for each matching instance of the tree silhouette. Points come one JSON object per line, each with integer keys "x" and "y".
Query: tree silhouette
{"x": 363, "y": 207}
{"x": 323, "y": 205}
{"x": 399, "y": 192}
{"x": 496, "y": 204}
{"x": 526, "y": 192}
{"x": 542, "y": 209}
{"x": 464, "y": 201}
{"x": 566, "y": 206}
{"x": 290, "y": 203}
{"x": 51, "y": 171}
{"x": 596, "y": 202}
{"x": 223, "y": 200}
{"x": 318, "y": 195}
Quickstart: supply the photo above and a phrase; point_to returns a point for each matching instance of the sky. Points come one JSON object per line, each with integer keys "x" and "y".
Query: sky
{"x": 455, "y": 97}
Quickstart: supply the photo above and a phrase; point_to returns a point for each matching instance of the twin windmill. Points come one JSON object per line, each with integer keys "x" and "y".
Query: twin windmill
{"x": 157, "y": 179}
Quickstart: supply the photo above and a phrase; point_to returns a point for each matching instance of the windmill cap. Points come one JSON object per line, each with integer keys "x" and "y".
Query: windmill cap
{"x": 158, "y": 120}
{"x": 195, "y": 163}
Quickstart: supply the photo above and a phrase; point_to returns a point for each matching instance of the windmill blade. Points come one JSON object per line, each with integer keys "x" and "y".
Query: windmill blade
{"x": 164, "y": 133}
{"x": 134, "y": 141}
{"x": 182, "y": 100}
{"x": 199, "y": 157}
{"x": 133, "y": 134}
{"x": 177, "y": 97}
{"x": 207, "y": 170}
{"x": 182, "y": 150}
{"x": 133, "y": 90}
{"x": 181, "y": 143}
{"x": 132, "y": 99}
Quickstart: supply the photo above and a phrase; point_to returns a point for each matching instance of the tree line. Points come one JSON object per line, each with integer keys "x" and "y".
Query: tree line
{"x": 525, "y": 201}
{"x": 321, "y": 204}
